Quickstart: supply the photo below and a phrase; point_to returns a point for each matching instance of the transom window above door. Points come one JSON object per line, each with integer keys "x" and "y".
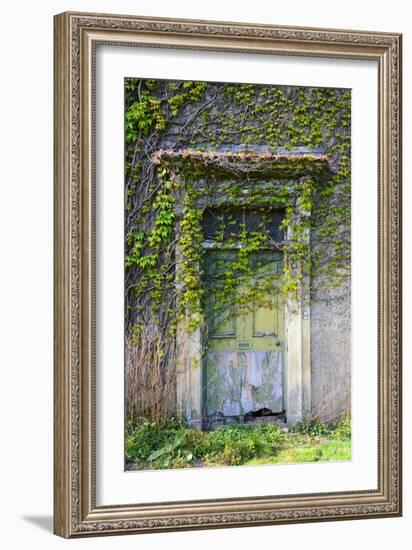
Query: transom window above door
{"x": 228, "y": 225}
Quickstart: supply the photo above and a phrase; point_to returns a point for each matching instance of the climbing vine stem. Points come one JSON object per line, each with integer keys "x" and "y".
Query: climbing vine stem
{"x": 195, "y": 148}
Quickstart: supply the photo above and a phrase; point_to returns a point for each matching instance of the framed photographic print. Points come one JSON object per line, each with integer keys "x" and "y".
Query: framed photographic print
{"x": 227, "y": 274}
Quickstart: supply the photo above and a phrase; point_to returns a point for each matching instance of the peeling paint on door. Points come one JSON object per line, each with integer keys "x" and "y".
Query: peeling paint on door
{"x": 241, "y": 382}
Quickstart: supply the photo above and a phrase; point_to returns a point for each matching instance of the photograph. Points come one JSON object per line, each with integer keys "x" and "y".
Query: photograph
{"x": 237, "y": 274}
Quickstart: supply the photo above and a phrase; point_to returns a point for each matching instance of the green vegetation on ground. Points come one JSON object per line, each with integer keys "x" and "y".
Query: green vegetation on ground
{"x": 171, "y": 444}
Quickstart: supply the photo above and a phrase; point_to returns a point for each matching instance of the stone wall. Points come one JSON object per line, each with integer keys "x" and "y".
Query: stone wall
{"x": 331, "y": 355}
{"x": 171, "y": 121}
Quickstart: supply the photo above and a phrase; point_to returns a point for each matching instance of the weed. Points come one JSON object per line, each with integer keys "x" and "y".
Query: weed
{"x": 171, "y": 444}
{"x": 310, "y": 425}
{"x": 342, "y": 429}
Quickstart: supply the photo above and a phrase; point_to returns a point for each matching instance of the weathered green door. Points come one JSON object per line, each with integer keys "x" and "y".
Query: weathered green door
{"x": 245, "y": 336}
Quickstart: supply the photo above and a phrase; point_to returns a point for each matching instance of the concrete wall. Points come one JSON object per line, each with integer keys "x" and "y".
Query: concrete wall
{"x": 318, "y": 378}
{"x": 331, "y": 354}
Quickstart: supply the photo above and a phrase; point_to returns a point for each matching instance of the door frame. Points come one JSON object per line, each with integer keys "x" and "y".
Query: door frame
{"x": 190, "y": 367}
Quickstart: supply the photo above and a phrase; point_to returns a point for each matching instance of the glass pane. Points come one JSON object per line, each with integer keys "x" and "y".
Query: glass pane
{"x": 220, "y": 224}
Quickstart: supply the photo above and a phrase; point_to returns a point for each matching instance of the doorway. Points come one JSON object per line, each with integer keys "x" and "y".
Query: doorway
{"x": 244, "y": 343}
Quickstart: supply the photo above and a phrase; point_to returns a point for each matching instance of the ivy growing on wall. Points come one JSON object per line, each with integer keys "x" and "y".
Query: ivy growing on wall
{"x": 195, "y": 146}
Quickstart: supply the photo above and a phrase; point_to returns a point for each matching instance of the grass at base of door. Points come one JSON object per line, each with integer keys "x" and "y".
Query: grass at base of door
{"x": 170, "y": 444}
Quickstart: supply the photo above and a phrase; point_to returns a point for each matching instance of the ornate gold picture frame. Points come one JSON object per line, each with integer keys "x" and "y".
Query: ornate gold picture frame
{"x": 77, "y": 511}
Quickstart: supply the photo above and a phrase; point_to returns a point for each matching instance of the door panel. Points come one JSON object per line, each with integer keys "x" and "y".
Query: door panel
{"x": 222, "y": 321}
